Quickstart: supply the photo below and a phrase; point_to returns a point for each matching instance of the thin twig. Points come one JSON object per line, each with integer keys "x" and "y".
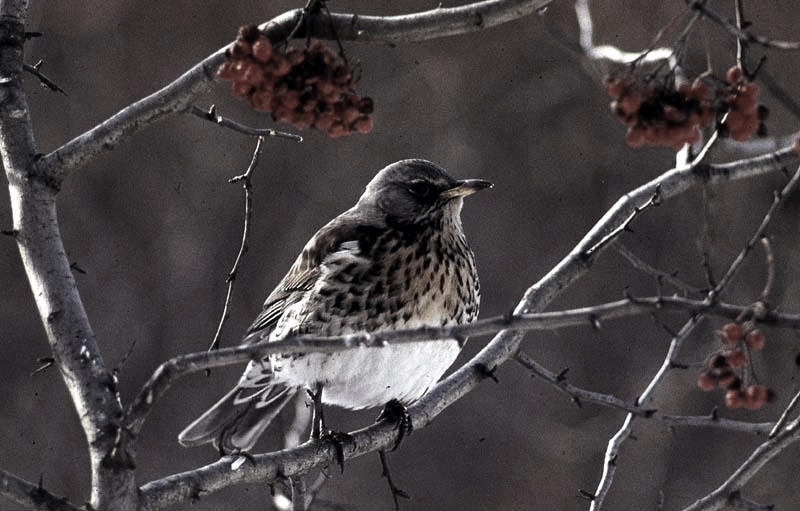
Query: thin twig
{"x": 790, "y": 409}
{"x": 47, "y": 82}
{"x": 247, "y": 185}
{"x": 624, "y": 225}
{"x": 758, "y": 459}
{"x": 397, "y": 493}
{"x": 739, "y": 8}
{"x": 778, "y": 200}
{"x": 702, "y": 6}
{"x": 580, "y": 395}
{"x": 624, "y": 432}
{"x": 225, "y": 122}
{"x": 769, "y": 262}
{"x": 662, "y": 276}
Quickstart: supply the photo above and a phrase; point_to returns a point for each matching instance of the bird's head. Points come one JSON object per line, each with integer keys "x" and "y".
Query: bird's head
{"x": 416, "y": 192}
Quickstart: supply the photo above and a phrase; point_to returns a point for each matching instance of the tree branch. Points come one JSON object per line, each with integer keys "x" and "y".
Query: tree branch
{"x": 580, "y": 395}
{"x": 35, "y": 227}
{"x": 741, "y": 35}
{"x": 763, "y": 454}
{"x": 178, "y": 95}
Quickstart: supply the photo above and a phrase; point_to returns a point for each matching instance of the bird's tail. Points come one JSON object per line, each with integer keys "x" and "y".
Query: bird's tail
{"x": 236, "y": 421}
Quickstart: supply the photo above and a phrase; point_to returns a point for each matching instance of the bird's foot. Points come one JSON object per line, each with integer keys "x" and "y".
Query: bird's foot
{"x": 395, "y": 412}
{"x": 318, "y": 428}
{"x": 338, "y": 440}
{"x": 321, "y": 433}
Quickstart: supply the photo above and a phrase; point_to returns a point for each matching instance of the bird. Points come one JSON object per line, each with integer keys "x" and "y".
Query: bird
{"x": 398, "y": 259}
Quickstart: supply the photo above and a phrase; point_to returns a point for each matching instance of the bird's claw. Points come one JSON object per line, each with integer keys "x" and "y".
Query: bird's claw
{"x": 395, "y": 412}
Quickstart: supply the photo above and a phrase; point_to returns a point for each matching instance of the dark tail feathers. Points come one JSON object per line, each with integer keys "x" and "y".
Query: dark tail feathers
{"x": 234, "y": 423}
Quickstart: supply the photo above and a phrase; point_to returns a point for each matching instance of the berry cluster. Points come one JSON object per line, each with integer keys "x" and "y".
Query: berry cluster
{"x": 721, "y": 369}
{"x": 669, "y": 115}
{"x": 311, "y": 87}
{"x": 659, "y": 115}
{"x": 745, "y": 115}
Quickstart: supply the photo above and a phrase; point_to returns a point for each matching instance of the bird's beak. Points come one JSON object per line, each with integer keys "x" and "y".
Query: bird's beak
{"x": 466, "y": 187}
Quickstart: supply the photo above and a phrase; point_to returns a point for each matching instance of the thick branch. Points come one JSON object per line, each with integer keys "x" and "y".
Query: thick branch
{"x": 44, "y": 258}
{"x": 262, "y": 468}
{"x": 178, "y": 95}
{"x": 433, "y": 24}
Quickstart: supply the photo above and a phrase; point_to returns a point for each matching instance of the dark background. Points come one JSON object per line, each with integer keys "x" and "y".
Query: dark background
{"x": 155, "y": 226}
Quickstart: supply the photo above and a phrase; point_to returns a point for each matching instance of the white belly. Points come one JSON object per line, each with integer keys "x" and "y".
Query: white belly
{"x": 370, "y": 377}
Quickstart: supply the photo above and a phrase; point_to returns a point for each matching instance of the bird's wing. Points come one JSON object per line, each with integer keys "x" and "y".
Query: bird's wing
{"x": 305, "y": 271}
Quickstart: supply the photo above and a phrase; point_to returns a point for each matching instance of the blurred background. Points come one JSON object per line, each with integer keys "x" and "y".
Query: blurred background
{"x": 155, "y": 226}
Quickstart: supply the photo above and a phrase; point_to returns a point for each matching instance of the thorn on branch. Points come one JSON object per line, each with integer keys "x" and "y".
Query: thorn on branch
{"x": 486, "y": 372}
{"x": 10, "y": 232}
{"x": 587, "y": 494}
{"x": 225, "y": 122}
{"x": 46, "y": 363}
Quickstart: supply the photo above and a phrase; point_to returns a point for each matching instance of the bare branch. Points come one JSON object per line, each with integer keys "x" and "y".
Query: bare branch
{"x": 661, "y": 276}
{"x": 730, "y": 26}
{"x": 763, "y": 454}
{"x": 30, "y": 495}
{"x": 777, "y": 202}
{"x": 624, "y": 432}
{"x": 263, "y": 468}
{"x": 211, "y": 115}
{"x": 433, "y": 24}
{"x": 580, "y": 395}
{"x": 790, "y": 409}
{"x": 248, "y": 213}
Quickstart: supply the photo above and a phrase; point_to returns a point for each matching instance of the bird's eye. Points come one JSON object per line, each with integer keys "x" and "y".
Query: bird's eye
{"x": 422, "y": 189}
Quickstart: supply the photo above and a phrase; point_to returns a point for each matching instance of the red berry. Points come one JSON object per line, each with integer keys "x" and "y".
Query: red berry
{"x": 755, "y": 396}
{"x": 733, "y": 75}
{"x": 756, "y": 340}
{"x": 735, "y": 358}
{"x": 635, "y": 136}
{"x": 706, "y": 382}
{"x": 241, "y": 89}
{"x": 616, "y": 87}
{"x": 699, "y": 90}
{"x": 734, "y": 399}
{"x": 732, "y": 332}
{"x": 262, "y": 50}
{"x": 363, "y": 124}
